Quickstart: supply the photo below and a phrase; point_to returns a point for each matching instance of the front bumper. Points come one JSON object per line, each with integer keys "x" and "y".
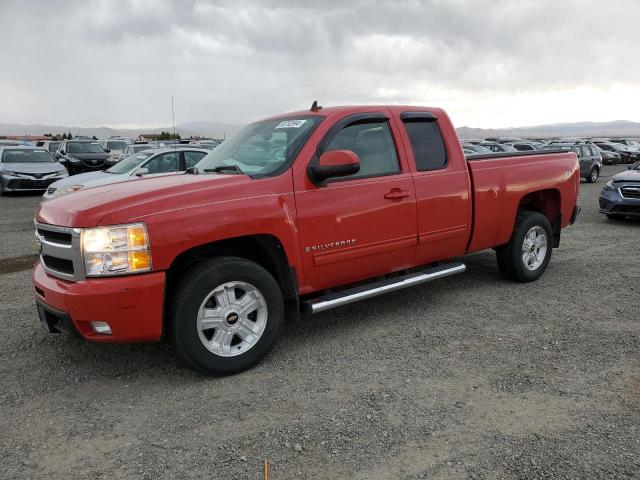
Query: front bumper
{"x": 612, "y": 203}
{"x": 11, "y": 183}
{"x": 132, "y": 305}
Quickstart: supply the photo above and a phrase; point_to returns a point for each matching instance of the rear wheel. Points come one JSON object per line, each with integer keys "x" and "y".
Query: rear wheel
{"x": 593, "y": 175}
{"x": 526, "y": 256}
{"x": 226, "y": 316}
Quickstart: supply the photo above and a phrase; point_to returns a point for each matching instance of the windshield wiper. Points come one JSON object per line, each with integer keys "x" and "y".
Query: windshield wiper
{"x": 224, "y": 168}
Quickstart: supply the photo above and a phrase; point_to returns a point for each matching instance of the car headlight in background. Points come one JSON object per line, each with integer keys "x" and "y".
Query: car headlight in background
{"x": 609, "y": 187}
{"x": 11, "y": 174}
{"x": 116, "y": 250}
{"x": 62, "y": 172}
{"x": 67, "y": 189}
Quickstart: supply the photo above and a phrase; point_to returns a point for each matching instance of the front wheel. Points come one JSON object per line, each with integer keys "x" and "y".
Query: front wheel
{"x": 526, "y": 256}
{"x": 227, "y": 314}
{"x": 593, "y": 175}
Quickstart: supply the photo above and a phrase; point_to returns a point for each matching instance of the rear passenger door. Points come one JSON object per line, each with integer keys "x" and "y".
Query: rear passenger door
{"x": 442, "y": 189}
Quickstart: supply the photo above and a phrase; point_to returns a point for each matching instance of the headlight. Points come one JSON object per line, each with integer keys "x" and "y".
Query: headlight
{"x": 68, "y": 189}
{"x": 61, "y": 172}
{"x": 116, "y": 250}
{"x": 609, "y": 186}
{"x": 7, "y": 172}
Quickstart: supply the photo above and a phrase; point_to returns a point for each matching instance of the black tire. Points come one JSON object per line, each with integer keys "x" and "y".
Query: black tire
{"x": 194, "y": 286}
{"x": 614, "y": 216}
{"x": 509, "y": 256}
{"x": 593, "y": 175}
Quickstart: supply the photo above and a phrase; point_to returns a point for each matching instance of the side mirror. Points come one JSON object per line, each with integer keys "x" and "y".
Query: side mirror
{"x": 336, "y": 163}
{"x": 62, "y": 152}
{"x": 141, "y": 171}
{"x": 107, "y": 150}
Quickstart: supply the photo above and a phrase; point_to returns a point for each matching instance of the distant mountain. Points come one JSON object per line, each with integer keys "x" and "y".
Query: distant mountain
{"x": 622, "y": 128}
{"x": 205, "y": 129}
{"x": 619, "y": 128}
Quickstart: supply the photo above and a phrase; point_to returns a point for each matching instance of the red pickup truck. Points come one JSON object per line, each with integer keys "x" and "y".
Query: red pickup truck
{"x": 304, "y": 211}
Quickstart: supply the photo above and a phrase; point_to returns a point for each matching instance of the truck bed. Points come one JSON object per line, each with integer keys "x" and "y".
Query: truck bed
{"x": 501, "y": 180}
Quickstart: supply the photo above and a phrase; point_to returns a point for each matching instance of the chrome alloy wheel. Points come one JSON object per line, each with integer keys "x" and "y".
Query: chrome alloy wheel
{"x": 232, "y": 318}
{"x": 534, "y": 248}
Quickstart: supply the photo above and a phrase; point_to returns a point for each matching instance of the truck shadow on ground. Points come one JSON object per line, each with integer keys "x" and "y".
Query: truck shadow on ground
{"x": 95, "y": 362}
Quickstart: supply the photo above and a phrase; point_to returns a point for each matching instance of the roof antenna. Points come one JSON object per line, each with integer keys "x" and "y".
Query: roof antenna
{"x": 315, "y": 107}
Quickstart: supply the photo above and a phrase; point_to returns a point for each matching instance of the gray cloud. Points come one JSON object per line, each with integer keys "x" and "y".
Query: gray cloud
{"x": 118, "y": 62}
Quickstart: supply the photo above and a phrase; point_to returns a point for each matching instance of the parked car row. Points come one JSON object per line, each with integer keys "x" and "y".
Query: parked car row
{"x": 612, "y": 150}
{"x": 77, "y": 164}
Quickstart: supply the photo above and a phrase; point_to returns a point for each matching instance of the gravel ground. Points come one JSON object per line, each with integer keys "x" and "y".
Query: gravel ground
{"x": 468, "y": 377}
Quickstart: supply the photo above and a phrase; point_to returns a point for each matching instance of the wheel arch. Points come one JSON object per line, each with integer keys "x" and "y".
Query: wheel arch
{"x": 547, "y": 202}
{"x": 264, "y": 249}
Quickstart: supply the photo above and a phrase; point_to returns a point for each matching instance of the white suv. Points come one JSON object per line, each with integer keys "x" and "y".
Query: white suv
{"x": 114, "y": 147}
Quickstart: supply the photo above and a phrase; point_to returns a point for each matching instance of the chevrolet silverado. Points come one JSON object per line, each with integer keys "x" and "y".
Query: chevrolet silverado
{"x": 305, "y": 211}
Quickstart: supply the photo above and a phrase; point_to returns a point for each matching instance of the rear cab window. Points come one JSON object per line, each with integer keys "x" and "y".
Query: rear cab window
{"x": 426, "y": 140}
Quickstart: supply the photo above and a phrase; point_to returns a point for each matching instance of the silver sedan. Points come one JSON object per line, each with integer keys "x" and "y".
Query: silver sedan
{"x": 28, "y": 169}
{"x": 162, "y": 161}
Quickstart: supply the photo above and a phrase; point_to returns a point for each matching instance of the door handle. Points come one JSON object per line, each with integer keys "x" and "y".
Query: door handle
{"x": 396, "y": 193}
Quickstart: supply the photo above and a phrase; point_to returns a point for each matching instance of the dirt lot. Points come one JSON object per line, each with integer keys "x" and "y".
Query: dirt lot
{"x": 469, "y": 377}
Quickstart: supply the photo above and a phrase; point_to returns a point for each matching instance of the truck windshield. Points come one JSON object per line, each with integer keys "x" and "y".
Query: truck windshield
{"x": 261, "y": 149}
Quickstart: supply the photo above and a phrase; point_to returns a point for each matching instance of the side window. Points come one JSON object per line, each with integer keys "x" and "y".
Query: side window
{"x": 426, "y": 142}
{"x": 594, "y": 151}
{"x": 191, "y": 158}
{"x": 373, "y": 144}
{"x": 165, "y": 163}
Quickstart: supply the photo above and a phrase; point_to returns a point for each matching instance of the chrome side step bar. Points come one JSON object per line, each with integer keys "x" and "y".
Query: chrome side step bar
{"x": 379, "y": 287}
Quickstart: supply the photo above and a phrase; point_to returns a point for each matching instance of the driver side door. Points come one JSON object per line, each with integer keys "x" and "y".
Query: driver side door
{"x": 363, "y": 225}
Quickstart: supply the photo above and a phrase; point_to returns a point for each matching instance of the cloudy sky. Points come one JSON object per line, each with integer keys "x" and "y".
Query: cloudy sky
{"x": 490, "y": 63}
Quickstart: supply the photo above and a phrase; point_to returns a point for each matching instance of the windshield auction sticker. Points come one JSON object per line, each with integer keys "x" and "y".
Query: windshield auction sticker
{"x": 291, "y": 124}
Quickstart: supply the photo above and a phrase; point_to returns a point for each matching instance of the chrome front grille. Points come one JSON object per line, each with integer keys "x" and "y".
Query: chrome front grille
{"x": 60, "y": 252}
{"x": 630, "y": 191}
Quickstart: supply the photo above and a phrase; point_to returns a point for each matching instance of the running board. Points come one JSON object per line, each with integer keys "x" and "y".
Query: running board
{"x": 350, "y": 295}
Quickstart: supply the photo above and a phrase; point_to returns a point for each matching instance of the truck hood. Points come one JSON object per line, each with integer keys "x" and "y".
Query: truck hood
{"x": 628, "y": 176}
{"x": 131, "y": 201}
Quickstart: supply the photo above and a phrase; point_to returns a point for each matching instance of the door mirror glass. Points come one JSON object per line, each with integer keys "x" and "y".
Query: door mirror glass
{"x": 335, "y": 163}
